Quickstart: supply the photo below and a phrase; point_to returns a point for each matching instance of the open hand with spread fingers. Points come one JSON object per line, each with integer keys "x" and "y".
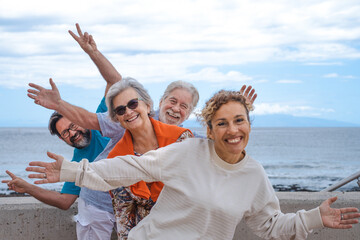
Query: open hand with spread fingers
{"x": 48, "y": 172}
{"x": 48, "y": 98}
{"x": 249, "y": 94}
{"x": 340, "y": 218}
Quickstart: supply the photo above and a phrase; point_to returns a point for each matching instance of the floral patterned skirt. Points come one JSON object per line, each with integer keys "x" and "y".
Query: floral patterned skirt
{"x": 129, "y": 210}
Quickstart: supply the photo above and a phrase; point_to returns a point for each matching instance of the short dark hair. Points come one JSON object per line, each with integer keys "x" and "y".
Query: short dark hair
{"x": 54, "y": 118}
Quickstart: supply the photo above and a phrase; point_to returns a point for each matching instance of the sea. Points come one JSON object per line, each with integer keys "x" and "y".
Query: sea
{"x": 295, "y": 159}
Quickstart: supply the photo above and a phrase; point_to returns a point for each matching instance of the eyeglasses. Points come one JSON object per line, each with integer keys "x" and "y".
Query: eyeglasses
{"x": 132, "y": 104}
{"x": 64, "y": 134}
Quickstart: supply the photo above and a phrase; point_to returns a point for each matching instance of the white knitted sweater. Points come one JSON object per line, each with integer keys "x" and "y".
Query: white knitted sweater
{"x": 203, "y": 198}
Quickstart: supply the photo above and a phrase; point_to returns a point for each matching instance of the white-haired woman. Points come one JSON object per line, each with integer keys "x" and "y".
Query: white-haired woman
{"x": 130, "y": 104}
{"x": 210, "y": 185}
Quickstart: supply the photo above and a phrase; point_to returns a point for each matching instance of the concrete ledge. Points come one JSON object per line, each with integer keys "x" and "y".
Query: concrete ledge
{"x": 27, "y": 218}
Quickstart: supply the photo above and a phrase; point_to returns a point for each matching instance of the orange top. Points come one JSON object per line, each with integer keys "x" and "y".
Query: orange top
{"x": 165, "y": 135}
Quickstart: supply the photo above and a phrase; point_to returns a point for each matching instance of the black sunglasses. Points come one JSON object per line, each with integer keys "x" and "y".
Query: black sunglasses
{"x": 132, "y": 104}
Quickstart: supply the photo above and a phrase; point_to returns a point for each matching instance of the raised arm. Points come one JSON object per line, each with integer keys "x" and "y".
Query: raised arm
{"x": 107, "y": 70}
{"x": 102, "y": 175}
{"x": 51, "y": 99}
{"x": 53, "y": 198}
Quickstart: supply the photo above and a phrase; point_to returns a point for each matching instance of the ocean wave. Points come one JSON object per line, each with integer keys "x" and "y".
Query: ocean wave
{"x": 290, "y": 166}
{"x": 306, "y": 178}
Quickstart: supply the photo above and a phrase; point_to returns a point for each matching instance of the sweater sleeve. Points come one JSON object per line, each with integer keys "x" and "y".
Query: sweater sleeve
{"x": 268, "y": 222}
{"x": 112, "y": 173}
{"x": 271, "y": 223}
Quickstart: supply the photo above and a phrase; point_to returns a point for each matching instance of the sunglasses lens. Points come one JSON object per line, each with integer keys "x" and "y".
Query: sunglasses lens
{"x": 120, "y": 110}
{"x": 132, "y": 104}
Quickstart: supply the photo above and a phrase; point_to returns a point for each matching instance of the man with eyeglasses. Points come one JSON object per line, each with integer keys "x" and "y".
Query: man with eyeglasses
{"x": 87, "y": 144}
{"x": 70, "y": 133}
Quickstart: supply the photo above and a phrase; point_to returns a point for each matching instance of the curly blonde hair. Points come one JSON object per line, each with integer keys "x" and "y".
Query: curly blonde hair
{"x": 220, "y": 98}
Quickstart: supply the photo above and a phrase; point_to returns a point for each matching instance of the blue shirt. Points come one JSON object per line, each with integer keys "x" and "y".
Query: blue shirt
{"x": 96, "y": 146}
{"x": 102, "y": 106}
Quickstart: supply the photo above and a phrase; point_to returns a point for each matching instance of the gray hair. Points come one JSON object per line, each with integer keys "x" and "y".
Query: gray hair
{"x": 122, "y": 85}
{"x": 183, "y": 85}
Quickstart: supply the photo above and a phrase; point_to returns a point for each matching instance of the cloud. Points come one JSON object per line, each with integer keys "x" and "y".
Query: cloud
{"x": 324, "y": 63}
{"x": 78, "y": 69}
{"x": 335, "y": 75}
{"x": 189, "y": 25}
{"x": 280, "y": 108}
{"x": 160, "y": 40}
{"x": 18, "y": 72}
{"x": 349, "y": 77}
{"x": 331, "y": 75}
{"x": 213, "y": 75}
{"x": 317, "y": 52}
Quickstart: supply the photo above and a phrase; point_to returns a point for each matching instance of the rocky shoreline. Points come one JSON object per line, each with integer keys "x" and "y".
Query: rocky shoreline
{"x": 298, "y": 188}
{"x": 14, "y": 194}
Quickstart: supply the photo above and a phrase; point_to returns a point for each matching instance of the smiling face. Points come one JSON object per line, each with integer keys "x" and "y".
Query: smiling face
{"x": 78, "y": 138}
{"x": 230, "y": 131}
{"x": 132, "y": 118}
{"x": 176, "y": 107}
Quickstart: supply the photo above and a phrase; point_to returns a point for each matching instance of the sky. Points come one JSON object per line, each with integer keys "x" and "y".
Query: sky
{"x": 302, "y": 57}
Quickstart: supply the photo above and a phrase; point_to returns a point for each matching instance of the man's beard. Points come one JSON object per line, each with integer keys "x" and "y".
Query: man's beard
{"x": 85, "y": 140}
{"x": 167, "y": 119}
